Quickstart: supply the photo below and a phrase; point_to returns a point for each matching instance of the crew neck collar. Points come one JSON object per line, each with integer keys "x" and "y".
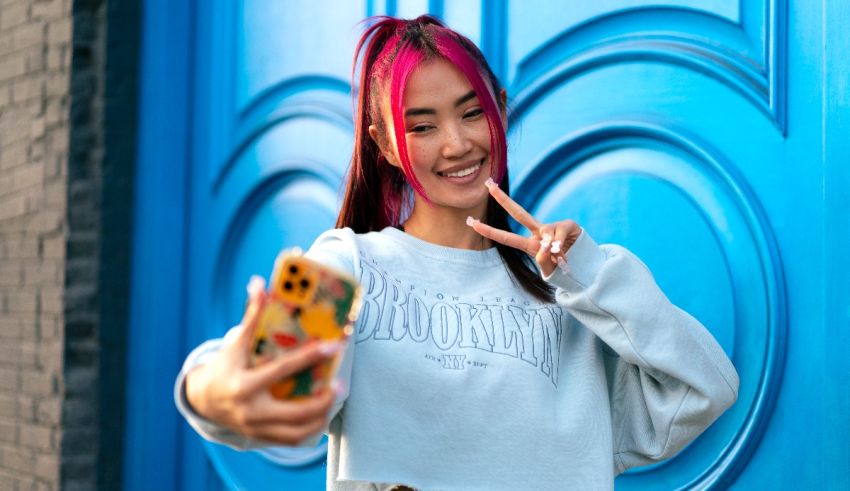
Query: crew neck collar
{"x": 488, "y": 256}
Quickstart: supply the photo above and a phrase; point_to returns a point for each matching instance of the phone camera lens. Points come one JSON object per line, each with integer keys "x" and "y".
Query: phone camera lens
{"x": 287, "y": 286}
{"x": 293, "y": 269}
{"x": 305, "y": 283}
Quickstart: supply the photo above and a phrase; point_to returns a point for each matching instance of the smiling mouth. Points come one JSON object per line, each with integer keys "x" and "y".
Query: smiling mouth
{"x": 463, "y": 172}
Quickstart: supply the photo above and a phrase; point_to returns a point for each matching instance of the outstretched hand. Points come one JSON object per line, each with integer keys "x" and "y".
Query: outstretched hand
{"x": 548, "y": 243}
{"x": 230, "y": 392}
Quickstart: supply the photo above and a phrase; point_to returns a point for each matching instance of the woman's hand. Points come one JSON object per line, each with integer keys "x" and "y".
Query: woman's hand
{"x": 230, "y": 392}
{"x": 548, "y": 243}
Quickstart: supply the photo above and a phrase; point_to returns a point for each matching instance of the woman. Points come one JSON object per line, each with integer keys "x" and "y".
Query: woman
{"x": 481, "y": 359}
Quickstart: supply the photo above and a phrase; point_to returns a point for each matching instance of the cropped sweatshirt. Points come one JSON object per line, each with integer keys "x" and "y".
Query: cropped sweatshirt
{"x": 458, "y": 379}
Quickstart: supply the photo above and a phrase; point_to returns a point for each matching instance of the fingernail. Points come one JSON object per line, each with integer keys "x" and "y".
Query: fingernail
{"x": 470, "y": 221}
{"x": 544, "y": 242}
{"x": 489, "y": 182}
{"x": 562, "y": 265}
{"x": 556, "y": 247}
{"x": 337, "y": 387}
{"x": 330, "y": 348}
{"x": 256, "y": 285}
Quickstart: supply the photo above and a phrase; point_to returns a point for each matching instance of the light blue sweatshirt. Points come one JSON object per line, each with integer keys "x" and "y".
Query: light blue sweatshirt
{"x": 460, "y": 380}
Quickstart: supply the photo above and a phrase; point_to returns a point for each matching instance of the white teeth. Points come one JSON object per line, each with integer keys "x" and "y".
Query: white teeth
{"x": 464, "y": 172}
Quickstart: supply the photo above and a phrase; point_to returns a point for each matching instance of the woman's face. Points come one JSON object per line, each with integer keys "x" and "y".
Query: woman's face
{"x": 448, "y": 138}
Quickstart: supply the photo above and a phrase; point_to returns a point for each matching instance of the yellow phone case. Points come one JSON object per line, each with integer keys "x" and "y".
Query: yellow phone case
{"x": 307, "y": 301}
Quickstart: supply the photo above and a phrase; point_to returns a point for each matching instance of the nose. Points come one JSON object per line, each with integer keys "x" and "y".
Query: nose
{"x": 456, "y": 143}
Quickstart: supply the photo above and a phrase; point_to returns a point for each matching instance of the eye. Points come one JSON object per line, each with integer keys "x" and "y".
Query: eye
{"x": 472, "y": 113}
{"x": 420, "y": 128}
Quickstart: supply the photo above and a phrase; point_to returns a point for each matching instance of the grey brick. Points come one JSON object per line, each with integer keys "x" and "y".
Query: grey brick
{"x": 7, "y": 482}
{"x": 9, "y": 355}
{"x": 11, "y": 129}
{"x": 12, "y": 66}
{"x": 59, "y": 31}
{"x": 22, "y": 246}
{"x": 51, "y": 300}
{"x": 28, "y": 89}
{"x": 8, "y": 432}
{"x": 28, "y": 35}
{"x": 26, "y": 408}
{"x": 9, "y": 379}
{"x": 48, "y": 10}
{"x": 8, "y": 406}
{"x": 36, "y": 437}
{"x": 11, "y": 273}
{"x": 17, "y": 459}
{"x": 47, "y": 466}
{"x": 14, "y": 14}
{"x": 5, "y": 94}
{"x": 28, "y": 175}
{"x": 53, "y": 247}
{"x": 12, "y": 206}
{"x": 13, "y": 154}
{"x": 10, "y": 327}
{"x": 48, "y": 411}
{"x": 6, "y": 180}
{"x": 39, "y": 383}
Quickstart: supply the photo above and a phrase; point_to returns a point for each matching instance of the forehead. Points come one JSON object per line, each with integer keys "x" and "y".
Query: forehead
{"x": 435, "y": 82}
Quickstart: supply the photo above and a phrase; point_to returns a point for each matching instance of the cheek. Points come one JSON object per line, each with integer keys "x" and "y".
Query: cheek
{"x": 482, "y": 134}
{"x": 420, "y": 153}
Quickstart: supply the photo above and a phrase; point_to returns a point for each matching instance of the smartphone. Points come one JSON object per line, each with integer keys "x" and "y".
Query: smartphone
{"x": 307, "y": 301}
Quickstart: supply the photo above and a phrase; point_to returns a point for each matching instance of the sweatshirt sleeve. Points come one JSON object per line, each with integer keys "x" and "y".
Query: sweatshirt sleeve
{"x": 335, "y": 249}
{"x": 669, "y": 379}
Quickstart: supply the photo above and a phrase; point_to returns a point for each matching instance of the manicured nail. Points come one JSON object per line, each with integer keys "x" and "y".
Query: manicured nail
{"x": 256, "y": 285}
{"x": 330, "y": 348}
{"x": 545, "y": 241}
{"x": 556, "y": 247}
{"x": 337, "y": 387}
{"x": 489, "y": 182}
{"x": 470, "y": 221}
{"x": 562, "y": 265}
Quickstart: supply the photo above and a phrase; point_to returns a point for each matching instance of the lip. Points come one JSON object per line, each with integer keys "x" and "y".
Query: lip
{"x": 465, "y": 179}
{"x": 459, "y": 167}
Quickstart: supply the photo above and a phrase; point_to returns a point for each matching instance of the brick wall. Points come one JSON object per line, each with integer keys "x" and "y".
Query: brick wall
{"x": 35, "y": 59}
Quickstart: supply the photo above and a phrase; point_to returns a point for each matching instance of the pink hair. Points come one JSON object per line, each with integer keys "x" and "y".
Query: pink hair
{"x": 407, "y": 59}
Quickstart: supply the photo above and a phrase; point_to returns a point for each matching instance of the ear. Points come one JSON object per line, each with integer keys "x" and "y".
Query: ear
{"x": 388, "y": 154}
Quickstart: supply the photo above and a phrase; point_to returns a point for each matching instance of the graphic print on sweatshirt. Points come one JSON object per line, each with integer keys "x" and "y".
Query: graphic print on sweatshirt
{"x": 495, "y": 329}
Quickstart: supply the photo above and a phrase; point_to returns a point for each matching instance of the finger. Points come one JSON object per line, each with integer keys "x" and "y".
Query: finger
{"x": 543, "y": 255}
{"x": 512, "y": 207}
{"x": 510, "y": 239}
{"x": 289, "y": 435}
{"x": 256, "y": 301}
{"x": 270, "y": 410}
{"x": 289, "y": 363}
{"x": 559, "y": 240}
{"x": 567, "y": 232}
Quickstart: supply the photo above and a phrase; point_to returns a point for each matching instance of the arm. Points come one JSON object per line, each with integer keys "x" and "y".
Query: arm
{"x": 669, "y": 379}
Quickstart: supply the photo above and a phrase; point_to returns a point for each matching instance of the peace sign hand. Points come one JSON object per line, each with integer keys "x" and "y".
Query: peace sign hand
{"x": 548, "y": 243}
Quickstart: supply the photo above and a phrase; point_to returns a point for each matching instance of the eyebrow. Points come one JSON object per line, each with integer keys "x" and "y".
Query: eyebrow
{"x": 417, "y": 111}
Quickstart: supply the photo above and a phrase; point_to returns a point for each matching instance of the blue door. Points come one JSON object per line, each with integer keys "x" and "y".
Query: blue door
{"x": 707, "y": 136}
